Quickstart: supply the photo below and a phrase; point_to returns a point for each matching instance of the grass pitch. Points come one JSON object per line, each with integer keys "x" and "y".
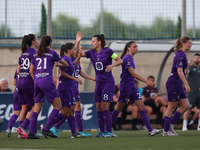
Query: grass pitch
{"x": 127, "y": 140}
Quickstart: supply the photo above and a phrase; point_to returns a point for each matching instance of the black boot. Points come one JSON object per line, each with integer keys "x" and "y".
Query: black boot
{"x": 134, "y": 121}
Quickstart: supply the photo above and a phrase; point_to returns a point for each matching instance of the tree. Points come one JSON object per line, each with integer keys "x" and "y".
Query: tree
{"x": 178, "y": 27}
{"x": 43, "y": 24}
{"x": 2, "y": 31}
{"x": 64, "y": 26}
{"x": 162, "y": 28}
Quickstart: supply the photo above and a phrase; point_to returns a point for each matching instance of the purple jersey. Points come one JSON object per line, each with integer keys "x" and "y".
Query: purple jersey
{"x": 43, "y": 66}
{"x": 180, "y": 61}
{"x": 76, "y": 71}
{"x": 25, "y": 79}
{"x": 64, "y": 83}
{"x": 126, "y": 78}
{"x": 100, "y": 61}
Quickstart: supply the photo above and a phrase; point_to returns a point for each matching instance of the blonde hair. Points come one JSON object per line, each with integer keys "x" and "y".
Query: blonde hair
{"x": 179, "y": 42}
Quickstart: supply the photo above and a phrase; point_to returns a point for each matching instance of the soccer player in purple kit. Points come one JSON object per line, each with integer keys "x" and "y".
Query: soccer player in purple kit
{"x": 65, "y": 88}
{"x": 101, "y": 58}
{"x": 128, "y": 89}
{"x": 25, "y": 84}
{"x": 41, "y": 71}
{"x": 17, "y": 108}
{"x": 77, "y": 70}
{"x": 175, "y": 86}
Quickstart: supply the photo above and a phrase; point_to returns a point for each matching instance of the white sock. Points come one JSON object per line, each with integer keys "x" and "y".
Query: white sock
{"x": 185, "y": 123}
{"x": 191, "y": 122}
{"x": 198, "y": 123}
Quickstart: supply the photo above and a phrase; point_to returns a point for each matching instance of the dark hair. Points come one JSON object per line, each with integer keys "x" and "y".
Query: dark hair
{"x": 179, "y": 42}
{"x": 64, "y": 48}
{"x": 126, "y": 48}
{"x": 151, "y": 77}
{"x": 197, "y": 54}
{"x": 45, "y": 42}
{"x": 27, "y": 42}
{"x": 101, "y": 38}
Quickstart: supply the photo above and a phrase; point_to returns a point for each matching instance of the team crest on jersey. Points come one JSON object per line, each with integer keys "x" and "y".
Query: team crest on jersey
{"x": 126, "y": 99}
{"x": 98, "y": 59}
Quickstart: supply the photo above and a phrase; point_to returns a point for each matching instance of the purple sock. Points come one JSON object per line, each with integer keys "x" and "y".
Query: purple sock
{"x": 59, "y": 118}
{"x": 145, "y": 120}
{"x": 12, "y": 120}
{"x": 100, "y": 121}
{"x": 33, "y": 123}
{"x": 57, "y": 125}
{"x": 51, "y": 120}
{"x": 79, "y": 120}
{"x": 107, "y": 120}
{"x": 175, "y": 117}
{"x": 114, "y": 116}
{"x": 36, "y": 126}
{"x": 72, "y": 123}
{"x": 25, "y": 123}
{"x": 20, "y": 122}
{"x": 167, "y": 123}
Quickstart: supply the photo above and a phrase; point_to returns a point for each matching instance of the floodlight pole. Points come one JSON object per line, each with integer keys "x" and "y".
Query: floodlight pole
{"x": 101, "y": 24}
{"x": 183, "y": 24}
{"x": 49, "y": 22}
{"x": 194, "y": 34}
{"x": 5, "y": 19}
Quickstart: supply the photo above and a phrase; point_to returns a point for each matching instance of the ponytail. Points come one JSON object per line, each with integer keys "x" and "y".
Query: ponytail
{"x": 101, "y": 38}
{"x": 179, "y": 42}
{"x": 64, "y": 48}
{"x": 24, "y": 46}
{"x": 126, "y": 49}
{"x": 27, "y": 42}
{"x": 45, "y": 42}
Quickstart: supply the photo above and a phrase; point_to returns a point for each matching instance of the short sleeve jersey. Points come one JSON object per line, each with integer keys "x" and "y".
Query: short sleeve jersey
{"x": 194, "y": 78}
{"x": 180, "y": 61}
{"x": 126, "y": 77}
{"x": 100, "y": 61}
{"x": 149, "y": 92}
{"x": 64, "y": 83}
{"x": 25, "y": 79}
{"x": 76, "y": 71}
{"x": 43, "y": 66}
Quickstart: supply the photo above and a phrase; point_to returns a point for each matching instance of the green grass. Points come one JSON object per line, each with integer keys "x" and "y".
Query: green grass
{"x": 127, "y": 140}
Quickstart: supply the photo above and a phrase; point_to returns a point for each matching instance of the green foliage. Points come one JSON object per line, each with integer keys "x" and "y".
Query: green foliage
{"x": 2, "y": 31}
{"x": 178, "y": 27}
{"x": 43, "y": 24}
{"x": 64, "y": 26}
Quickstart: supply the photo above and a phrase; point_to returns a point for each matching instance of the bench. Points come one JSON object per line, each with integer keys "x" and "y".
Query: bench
{"x": 178, "y": 125}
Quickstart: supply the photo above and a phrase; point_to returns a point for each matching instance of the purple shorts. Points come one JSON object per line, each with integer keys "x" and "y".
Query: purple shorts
{"x": 175, "y": 91}
{"x": 47, "y": 89}
{"x": 104, "y": 91}
{"x": 127, "y": 92}
{"x": 76, "y": 94}
{"x": 26, "y": 96}
{"x": 16, "y": 103}
{"x": 67, "y": 98}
